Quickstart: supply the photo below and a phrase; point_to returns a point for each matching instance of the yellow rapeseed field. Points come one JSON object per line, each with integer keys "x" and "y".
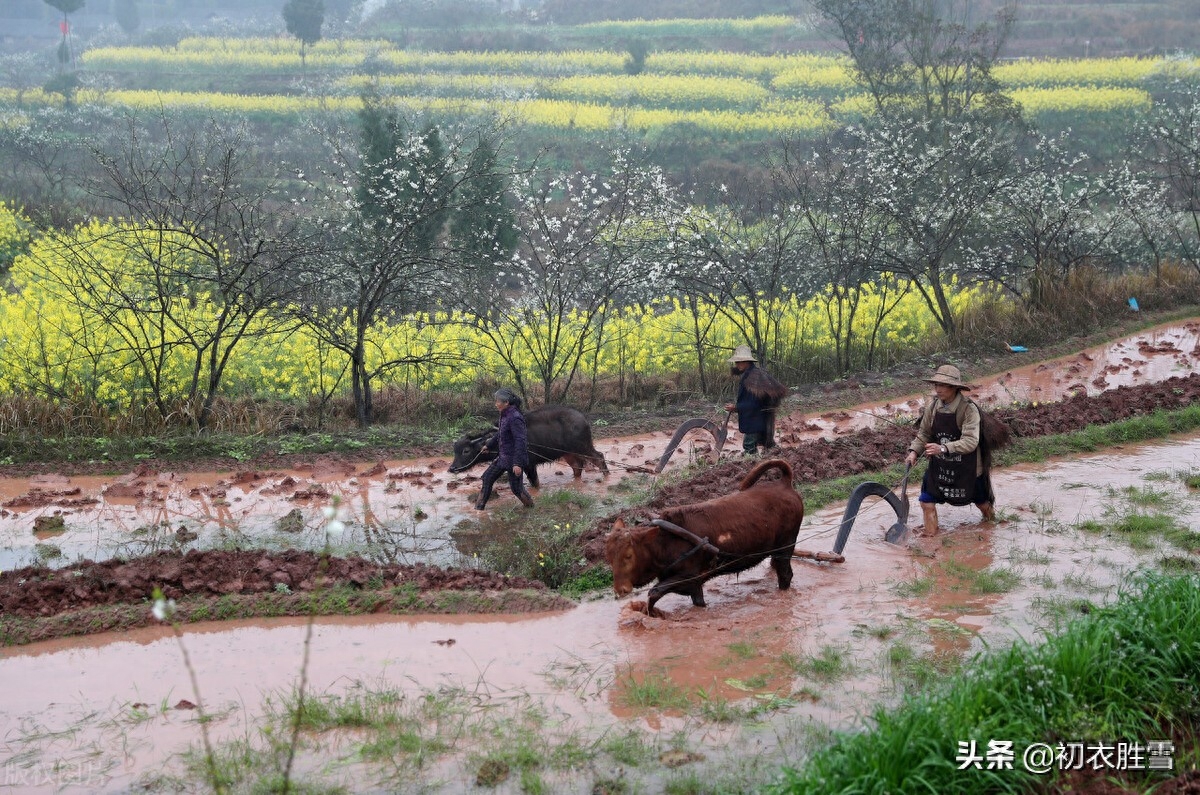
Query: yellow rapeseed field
{"x": 725, "y": 93}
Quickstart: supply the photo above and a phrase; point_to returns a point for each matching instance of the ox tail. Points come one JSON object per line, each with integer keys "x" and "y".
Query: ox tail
{"x": 762, "y": 467}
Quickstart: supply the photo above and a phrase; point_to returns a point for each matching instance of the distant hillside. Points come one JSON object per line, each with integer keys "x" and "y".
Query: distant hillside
{"x": 1049, "y": 28}
{"x": 1065, "y": 29}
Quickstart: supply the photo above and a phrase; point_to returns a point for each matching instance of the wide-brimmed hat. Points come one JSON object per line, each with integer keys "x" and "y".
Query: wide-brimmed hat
{"x": 505, "y": 395}
{"x": 742, "y": 353}
{"x": 949, "y": 375}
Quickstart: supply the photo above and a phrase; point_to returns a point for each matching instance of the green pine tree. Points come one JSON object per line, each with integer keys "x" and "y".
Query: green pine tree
{"x": 128, "y": 15}
{"x": 304, "y": 19}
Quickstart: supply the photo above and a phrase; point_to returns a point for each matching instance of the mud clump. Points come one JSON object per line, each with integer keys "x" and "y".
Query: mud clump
{"x": 36, "y": 591}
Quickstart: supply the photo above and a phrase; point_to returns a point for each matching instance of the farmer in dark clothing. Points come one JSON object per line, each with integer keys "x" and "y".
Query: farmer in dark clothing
{"x": 758, "y": 396}
{"x": 513, "y": 450}
{"x": 950, "y": 434}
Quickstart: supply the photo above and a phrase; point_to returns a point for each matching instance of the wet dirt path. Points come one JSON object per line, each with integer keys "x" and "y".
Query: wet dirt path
{"x": 404, "y": 511}
{"x": 72, "y": 703}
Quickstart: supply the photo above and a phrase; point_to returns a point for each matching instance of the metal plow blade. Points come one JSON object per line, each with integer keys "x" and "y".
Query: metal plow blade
{"x": 896, "y": 533}
{"x": 719, "y": 433}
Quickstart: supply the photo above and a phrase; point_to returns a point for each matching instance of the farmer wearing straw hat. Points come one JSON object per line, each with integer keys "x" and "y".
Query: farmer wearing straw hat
{"x": 949, "y": 434}
{"x": 512, "y": 445}
{"x": 758, "y": 396}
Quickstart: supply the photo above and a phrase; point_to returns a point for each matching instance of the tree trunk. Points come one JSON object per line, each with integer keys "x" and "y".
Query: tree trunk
{"x": 698, "y": 339}
{"x": 360, "y": 382}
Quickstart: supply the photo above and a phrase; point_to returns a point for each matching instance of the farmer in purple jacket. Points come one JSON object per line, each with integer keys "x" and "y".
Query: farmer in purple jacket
{"x": 513, "y": 450}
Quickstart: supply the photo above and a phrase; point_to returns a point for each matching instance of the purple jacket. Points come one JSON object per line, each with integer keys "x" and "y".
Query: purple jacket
{"x": 511, "y": 439}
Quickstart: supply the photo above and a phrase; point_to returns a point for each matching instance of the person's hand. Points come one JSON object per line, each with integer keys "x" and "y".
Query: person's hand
{"x": 730, "y": 407}
{"x": 911, "y": 458}
{"x": 517, "y": 471}
{"x": 933, "y": 448}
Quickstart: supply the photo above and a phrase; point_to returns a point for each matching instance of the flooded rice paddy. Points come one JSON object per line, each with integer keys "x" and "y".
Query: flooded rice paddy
{"x": 110, "y": 713}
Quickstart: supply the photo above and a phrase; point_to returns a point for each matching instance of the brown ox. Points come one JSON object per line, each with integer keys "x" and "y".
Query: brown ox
{"x": 742, "y": 530}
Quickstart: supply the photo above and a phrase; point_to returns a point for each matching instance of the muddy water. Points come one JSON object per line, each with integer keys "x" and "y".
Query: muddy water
{"x": 69, "y": 721}
{"x": 404, "y": 511}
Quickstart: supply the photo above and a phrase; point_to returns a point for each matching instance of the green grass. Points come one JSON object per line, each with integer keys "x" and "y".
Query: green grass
{"x": 914, "y": 672}
{"x": 994, "y": 579}
{"x": 920, "y": 586}
{"x": 1148, "y": 498}
{"x": 543, "y": 544}
{"x": 878, "y": 632}
{"x": 742, "y": 649}
{"x": 656, "y": 690}
{"x": 360, "y": 708}
{"x": 720, "y": 710}
{"x": 1143, "y": 531}
{"x": 1031, "y": 557}
{"x": 1143, "y": 517}
{"x": 1059, "y": 611}
{"x": 1180, "y": 563}
{"x": 827, "y": 492}
{"x": 403, "y": 733}
{"x": 1158, "y": 425}
{"x": 829, "y": 665}
{"x": 1131, "y": 670}
{"x": 629, "y": 747}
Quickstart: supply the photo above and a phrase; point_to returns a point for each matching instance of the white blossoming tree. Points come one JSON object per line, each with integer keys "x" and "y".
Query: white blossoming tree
{"x": 748, "y": 254}
{"x": 588, "y": 243}
{"x": 844, "y": 241}
{"x": 933, "y": 184}
{"x": 397, "y": 240}
{"x": 1168, "y": 143}
{"x": 1052, "y": 218}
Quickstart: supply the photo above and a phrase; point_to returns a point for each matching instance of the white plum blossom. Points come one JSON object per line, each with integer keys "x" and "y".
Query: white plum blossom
{"x": 163, "y": 609}
{"x": 335, "y": 523}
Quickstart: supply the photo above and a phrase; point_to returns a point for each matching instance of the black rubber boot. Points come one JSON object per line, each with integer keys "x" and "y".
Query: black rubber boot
{"x": 525, "y": 499}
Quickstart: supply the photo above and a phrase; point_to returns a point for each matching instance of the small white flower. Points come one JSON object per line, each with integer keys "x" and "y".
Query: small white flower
{"x": 329, "y": 511}
{"x": 335, "y": 526}
{"x": 163, "y": 608}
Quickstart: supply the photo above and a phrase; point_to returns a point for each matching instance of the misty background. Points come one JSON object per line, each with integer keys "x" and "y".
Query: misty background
{"x": 1055, "y": 28}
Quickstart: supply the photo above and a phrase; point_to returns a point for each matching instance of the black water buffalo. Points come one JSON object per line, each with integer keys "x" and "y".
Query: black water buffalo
{"x": 553, "y": 432}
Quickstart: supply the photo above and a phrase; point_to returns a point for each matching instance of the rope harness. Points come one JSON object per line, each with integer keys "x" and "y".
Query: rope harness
{"x": 725, "y": 558}
{"x": 698, "y": 544}
{"x": 560, "y": 451}
{"x": 479, "y": 452}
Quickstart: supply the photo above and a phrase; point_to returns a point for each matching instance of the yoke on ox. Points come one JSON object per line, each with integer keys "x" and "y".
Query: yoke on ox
{"x": 690, "y": 544}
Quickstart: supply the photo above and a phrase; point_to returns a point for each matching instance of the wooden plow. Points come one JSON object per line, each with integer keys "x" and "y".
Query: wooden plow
{"x": 719, "y": 433}
{"x": 899, "y": 503}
